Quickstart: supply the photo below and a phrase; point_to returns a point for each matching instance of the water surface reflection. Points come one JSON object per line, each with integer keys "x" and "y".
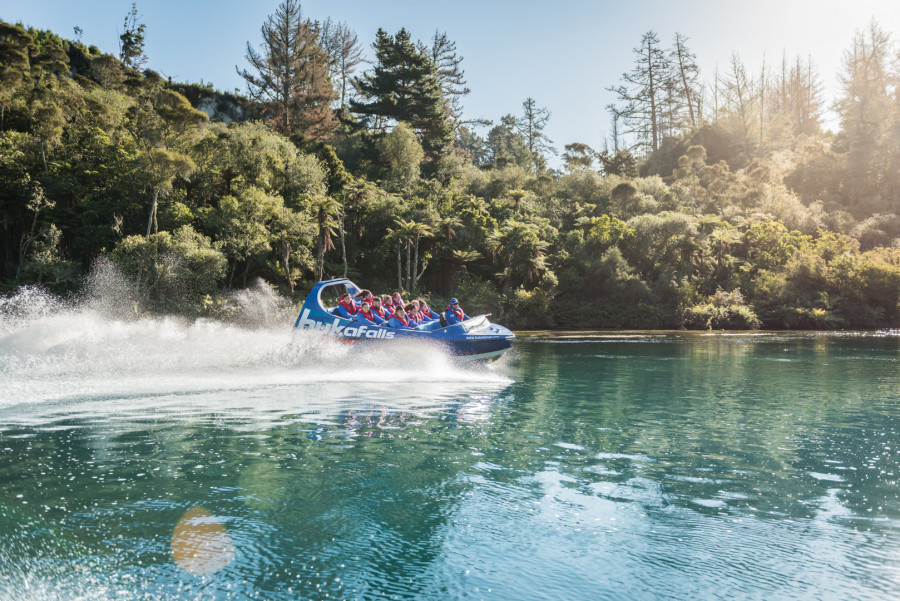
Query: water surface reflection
{"x": 684, "y": 467}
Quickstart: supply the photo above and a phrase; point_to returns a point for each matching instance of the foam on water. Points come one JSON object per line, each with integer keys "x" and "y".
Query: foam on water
{"x": 98, "y": 347}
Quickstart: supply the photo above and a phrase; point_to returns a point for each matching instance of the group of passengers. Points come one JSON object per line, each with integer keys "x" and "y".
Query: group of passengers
{"x": 392, "y": 311}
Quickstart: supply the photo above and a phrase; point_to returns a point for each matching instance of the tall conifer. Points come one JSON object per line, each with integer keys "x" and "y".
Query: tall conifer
{"x": 290, "y": 75}
{"x": 404, "y": 86}
{"x": 642, "y": 93}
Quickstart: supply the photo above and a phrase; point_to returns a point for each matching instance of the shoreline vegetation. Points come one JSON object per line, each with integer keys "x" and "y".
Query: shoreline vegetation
{"x": 719, "y": 201}
{"x": 625, "y": 335}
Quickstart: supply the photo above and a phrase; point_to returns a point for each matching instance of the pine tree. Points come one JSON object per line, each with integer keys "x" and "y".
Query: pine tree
{"x": 686, "y": 77}
{"x": 343, "y": 47}
{"x": 450, "y": 74}
{"x": 404, "y": 86}
{"x": 473, "y": 145}
{"x": 505, "y": 144}
{"x": 531, "y": 127}
{"x": 869, "y": 109}
{"x": 798, "y": 95}
{"x": 291, "y": 75}
{"x": 131, "y": 46}
{"x": 579, "y": 155}
{"x": 642, "y": 94}
{"x": 741, "y": 100}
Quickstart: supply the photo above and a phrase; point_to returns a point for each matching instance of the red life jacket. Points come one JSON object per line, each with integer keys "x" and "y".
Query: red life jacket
{"x": 459, "y": 312}
{"x": 402, "y": 320}
{"x": 351, "y": 308}
{"x": 367, "y": 315}
{"x": 380, "y": 313}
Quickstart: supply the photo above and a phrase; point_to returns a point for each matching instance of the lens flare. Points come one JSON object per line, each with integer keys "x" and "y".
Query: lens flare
{"x": 200, "y": 543}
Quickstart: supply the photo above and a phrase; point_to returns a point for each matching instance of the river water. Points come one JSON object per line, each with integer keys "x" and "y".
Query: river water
{"x": 154, "y": 458}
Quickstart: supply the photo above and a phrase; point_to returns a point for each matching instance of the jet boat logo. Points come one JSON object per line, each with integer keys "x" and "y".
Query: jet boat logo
{"x": 363, "y": 331}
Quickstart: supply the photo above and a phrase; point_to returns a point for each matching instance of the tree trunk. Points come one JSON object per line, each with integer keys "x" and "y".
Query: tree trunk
{"x": 653, "y": 118}
{"x": 408, "y": 276}
{"x": 23, "y": 248}
{"x": 320, "y": 255}
{"x": 415, "y": 266}
{"x": 44, "y": 158}
{"x": 137, "y": 285}
{"x": 151, "y": 222}
{"x": 687, "y": 90}
{"x": 762, "y": 103}
{"x": 716, "y": 96}
{"x": 233, "y": 269}
{"x": 26, "y": 242}
{"x": 343, "y": 247}
{"x": 452, "y": 274}
{"x": 286, "y": 258}
{"x": 399, "y": 267}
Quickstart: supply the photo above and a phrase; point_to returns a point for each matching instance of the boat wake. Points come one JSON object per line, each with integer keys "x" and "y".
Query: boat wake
{"x": 99, "y": 348}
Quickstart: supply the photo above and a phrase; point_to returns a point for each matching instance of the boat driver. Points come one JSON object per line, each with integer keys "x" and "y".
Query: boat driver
{"x": 454, "y": 313}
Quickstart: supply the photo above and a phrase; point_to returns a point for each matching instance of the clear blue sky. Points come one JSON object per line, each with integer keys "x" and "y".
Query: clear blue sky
{"x": 564, "y": 53}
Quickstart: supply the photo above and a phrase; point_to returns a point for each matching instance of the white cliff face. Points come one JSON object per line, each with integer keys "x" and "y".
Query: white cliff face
{"x": 218, "y": 109}
{"x": 208, "y": 106}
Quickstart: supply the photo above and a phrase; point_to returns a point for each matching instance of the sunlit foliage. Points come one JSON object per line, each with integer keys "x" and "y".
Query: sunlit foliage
{"x": 734, "y": 209}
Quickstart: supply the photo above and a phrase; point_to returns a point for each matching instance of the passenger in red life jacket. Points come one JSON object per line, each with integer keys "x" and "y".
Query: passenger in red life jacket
{"x": 378, "y": 310}
{"x": 397, "y": 300}
{"x": 398, "y": 320}
{"x": 426, "y": 311}
{"x": 420, "y": 317}
{"x": 454, "y": 314}
{"x": 412, "y": 314}
{"x": 367, "y": 316}
{"x": 362, "y": 296}
{"x": 347, "y": 308}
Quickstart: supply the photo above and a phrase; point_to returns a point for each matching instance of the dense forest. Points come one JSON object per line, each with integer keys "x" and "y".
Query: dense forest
{"x": 718, "y": 201}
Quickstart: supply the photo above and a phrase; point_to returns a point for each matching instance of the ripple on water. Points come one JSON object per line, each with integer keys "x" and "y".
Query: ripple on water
{"x": 714, "y": 478}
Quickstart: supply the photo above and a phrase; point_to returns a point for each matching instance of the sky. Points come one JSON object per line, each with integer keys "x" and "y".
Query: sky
{"x": 564, "y": 54}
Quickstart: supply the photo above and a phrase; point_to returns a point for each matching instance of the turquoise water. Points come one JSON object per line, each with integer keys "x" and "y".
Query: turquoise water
{"x": 159, "y": 459}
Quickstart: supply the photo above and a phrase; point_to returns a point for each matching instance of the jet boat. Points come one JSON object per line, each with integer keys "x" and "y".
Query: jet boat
{"x": 475, "y": 338}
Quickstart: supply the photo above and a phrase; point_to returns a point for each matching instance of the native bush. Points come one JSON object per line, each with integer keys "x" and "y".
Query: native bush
{"x": 723, "y": 311}
{"x": 171, "y": 268}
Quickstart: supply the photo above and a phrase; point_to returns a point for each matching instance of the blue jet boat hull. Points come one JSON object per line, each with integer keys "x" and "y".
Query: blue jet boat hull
{"x": 475, "y": 338}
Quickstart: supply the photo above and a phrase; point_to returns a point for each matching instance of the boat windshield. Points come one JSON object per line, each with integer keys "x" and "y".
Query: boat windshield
{"x": 330, "y": 296}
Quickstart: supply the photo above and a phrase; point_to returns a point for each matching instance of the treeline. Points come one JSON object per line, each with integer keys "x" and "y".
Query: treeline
{"x": 715, "y": 204}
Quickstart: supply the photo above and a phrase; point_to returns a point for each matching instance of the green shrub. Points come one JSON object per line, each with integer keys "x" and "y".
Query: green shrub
{"x": 171, "y": 268}
{"x": 724, "y": 311}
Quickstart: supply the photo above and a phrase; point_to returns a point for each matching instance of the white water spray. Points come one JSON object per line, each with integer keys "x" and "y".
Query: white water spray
{"x": 98, "y": 348}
